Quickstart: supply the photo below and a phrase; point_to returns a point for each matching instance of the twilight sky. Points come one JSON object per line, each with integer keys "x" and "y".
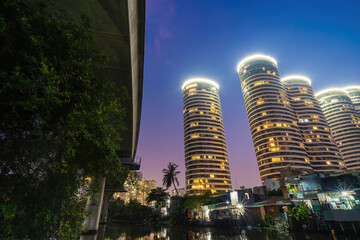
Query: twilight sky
{"x": 207, "y": 38}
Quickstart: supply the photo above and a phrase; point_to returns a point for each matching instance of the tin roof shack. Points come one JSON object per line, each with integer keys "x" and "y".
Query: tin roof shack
{"x": 334, "y": 198}
{"x": 260, "y": 193}
{"x": 304, "y": 188}
{"x": 340, "y": 198}
{"x": 228, "y": 208}
{"x": 276, "y": 206}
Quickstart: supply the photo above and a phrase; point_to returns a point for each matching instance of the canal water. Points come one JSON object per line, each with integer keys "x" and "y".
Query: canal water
{"x": 141, "y": 232}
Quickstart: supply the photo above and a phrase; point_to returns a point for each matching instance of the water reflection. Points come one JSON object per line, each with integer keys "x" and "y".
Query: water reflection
{"x": 140, "y": 232}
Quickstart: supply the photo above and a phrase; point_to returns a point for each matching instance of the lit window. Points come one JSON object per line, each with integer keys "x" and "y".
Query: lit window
{"x": 212, "y": 176}
{"x": 260, "y": 102}
{"x": 260, "y": 83}
{"x": 264, "y": 113}
{"x": 274, "y": 149}
{"x": 215, "y": 136}
{"x": 328, "y": 162}
{"x": 195, "y": 136}
{"x": 275, "y": 159}
{"x": 307, "y": 160}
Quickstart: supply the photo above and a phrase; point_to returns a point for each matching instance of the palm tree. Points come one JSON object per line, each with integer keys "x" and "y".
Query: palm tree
{"x": 170, "y": 176}
{"x": 158, "y": 195}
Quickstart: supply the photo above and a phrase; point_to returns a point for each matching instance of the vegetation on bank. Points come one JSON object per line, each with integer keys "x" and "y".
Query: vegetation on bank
{"x": 60, "y": 123}
{"x": 132, "y": 212}
{"x": 137, "y": 213}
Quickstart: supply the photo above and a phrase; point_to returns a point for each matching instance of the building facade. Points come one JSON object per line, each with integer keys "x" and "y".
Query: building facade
{"x": 318, "y": 141}
{"x": 344, "y": 122}
{"x": 206, "y": 159}
{"x": 354, "y": 94}
{"x": 274, "y": 128}
{"x": 138, "y": 190}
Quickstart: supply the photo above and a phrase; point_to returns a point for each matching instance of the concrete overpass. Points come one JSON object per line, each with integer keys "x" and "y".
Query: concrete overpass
{"x": 119, "y": 30}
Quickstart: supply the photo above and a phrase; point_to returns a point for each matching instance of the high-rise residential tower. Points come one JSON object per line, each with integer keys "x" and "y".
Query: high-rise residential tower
{"x": 344, "y": 122}
{"x": 322, "y": 150}
{"x": 277, "y": 140}
{"x": 206, "y": 159}
{"x": 354, "y": 94}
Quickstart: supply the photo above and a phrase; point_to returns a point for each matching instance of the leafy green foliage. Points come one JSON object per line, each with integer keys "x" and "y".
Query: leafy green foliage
{"x": 196, "y": 201}
{"x": 59, "y": 122}
{"x": 268, "y": 221}
{"x": 291, "y": 189}
{"x": 300, "y": 212}
{"x": 157, "y": 195}
{"x": 169, "y": 177}
{"x": 131, "y": 212}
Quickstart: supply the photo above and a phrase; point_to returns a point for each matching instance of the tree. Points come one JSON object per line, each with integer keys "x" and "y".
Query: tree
{"x": 169, "y": 177}
{"x": 300, "y": 212}
{"x": 59, "y": 122}
{"x": 196, "y": 201}
{"x": 158, "y": 195}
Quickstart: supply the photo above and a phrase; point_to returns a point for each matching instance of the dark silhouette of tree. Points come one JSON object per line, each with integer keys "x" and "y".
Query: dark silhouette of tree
{"x": 169, "y": 177}
{"x": 59, "y": 122}
{"x": 158, "y": 195}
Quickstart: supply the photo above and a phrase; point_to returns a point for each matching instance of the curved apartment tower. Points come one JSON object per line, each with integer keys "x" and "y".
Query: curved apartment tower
{"x": 206, "y": 159}
{"x": 276, "y": 137}
{"x": 354, "y": 94}
{"x": 322, "y": 150}
{"x": 344, "y": 122}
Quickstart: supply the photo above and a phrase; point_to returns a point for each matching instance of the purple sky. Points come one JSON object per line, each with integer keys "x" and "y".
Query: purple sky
{"x": 207, "y": 38}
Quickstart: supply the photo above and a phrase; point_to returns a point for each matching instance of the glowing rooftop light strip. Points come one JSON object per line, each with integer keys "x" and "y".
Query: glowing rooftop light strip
{"x": 255, "y": 57}
{"x": 196, "y": 80}
{"x": 352, "y": 87}
{"x": 330, "y": 90}
{"x": 296, "y": 77}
